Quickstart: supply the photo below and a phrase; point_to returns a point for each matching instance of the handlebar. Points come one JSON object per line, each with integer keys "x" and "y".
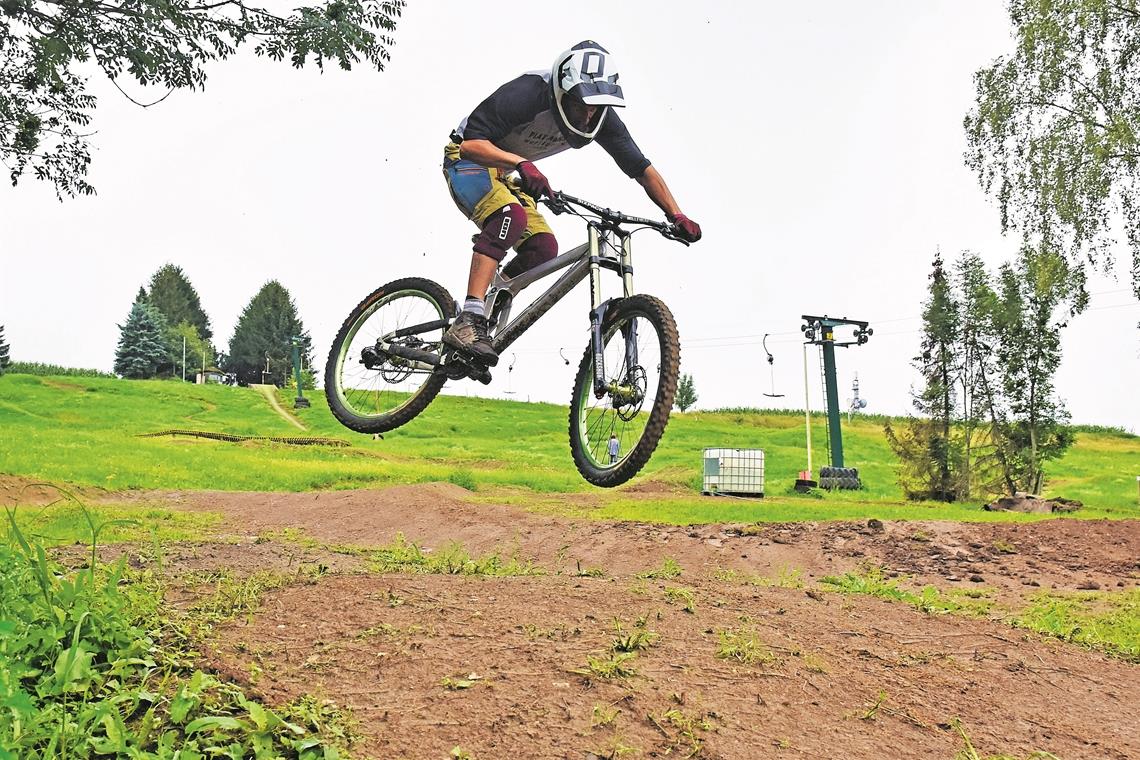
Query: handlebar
{"x": 559, "y": 202}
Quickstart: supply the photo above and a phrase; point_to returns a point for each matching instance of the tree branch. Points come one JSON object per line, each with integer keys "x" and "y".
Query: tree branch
{"x": 1066, "y": 109}
{"x": 128, "y": 97}
{"x": 1130, "y": 12}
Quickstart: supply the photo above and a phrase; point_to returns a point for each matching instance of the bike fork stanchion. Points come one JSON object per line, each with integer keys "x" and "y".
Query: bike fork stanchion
{"x": 597, "y": 312}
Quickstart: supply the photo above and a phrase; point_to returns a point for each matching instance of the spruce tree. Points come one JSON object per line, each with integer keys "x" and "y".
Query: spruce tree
{"x": 938, "y": 363}
{"x": 143, "y": 344}
{"x": 4, "y": 358}
{"x": 264, "y": 331}
{"x": 926, "y": 446}
{"x": 173, "y": 295}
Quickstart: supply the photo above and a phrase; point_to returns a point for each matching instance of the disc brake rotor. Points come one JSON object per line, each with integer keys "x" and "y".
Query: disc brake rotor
{"x": 629, "y": 395}
{"x": 394, "y": 369}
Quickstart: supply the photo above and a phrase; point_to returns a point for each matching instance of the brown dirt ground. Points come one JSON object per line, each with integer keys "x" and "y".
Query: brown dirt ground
{"x": 383, "y": 645}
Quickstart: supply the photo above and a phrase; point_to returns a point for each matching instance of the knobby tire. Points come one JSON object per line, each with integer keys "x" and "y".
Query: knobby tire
{"x": 420, "y": 399}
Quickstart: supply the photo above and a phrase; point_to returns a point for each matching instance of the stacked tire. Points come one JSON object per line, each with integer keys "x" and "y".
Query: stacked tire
{"x": 841, "y": 478}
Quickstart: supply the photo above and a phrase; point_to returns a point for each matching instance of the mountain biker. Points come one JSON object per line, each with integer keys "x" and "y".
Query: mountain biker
{"x": 531, "y": 117}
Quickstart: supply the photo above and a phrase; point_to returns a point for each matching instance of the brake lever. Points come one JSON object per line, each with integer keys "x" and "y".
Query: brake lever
{"x": 555, "y": 204}
{"x": 669, "y": 233}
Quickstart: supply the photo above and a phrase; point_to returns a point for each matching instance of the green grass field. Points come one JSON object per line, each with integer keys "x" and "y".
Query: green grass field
{"x": 84, "y": 431}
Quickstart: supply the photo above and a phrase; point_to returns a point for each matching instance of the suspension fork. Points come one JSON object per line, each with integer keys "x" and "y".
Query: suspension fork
{"x": 629, "y": 331}
{"x": 597, "y": 237}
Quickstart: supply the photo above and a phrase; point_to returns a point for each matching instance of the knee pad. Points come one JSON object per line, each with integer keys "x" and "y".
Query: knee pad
{"x": 538, "y": 249}
{"x": 501, "y": 231}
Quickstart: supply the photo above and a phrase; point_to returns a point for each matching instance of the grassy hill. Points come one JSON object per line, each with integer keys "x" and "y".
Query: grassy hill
{"x": 84, "y": 431}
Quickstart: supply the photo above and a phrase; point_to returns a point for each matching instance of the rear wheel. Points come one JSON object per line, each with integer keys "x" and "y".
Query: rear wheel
{"x": 642, "y": 357}
{"x": 370, "y": 390}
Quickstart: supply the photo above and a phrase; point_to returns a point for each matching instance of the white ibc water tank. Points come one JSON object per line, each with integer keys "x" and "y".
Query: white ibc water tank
{"x": 734, "y": 471}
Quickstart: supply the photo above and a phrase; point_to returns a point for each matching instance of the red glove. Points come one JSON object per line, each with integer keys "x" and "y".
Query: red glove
{"x": 687, "y": 229}
{"x": 534, "y": 183}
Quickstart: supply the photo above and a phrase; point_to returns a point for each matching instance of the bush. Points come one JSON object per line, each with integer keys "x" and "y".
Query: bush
{"x": 36, "y": 368}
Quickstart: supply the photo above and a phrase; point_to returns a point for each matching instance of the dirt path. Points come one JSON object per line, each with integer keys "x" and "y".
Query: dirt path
{"x": 270, "y": 393}
{"x": 500, "y": 666}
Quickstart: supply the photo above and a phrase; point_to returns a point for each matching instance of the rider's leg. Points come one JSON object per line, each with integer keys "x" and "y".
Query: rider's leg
{"x": 501, "y": 230}
{"x": 478, "y": 280}
{"x": 536, "y": 249}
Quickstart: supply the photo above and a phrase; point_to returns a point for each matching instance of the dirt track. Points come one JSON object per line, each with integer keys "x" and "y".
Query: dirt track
{"x": 390, "y": 646}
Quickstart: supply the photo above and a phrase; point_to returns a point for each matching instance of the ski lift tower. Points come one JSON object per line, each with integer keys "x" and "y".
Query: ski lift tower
{"x": 820, "y": 331}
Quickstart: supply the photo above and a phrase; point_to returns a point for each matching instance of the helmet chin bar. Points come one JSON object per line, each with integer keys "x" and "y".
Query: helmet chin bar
{"x": 599, "y": 117}
{"x": 589, "y": 69}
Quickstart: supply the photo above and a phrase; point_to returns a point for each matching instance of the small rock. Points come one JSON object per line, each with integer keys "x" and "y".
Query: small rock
{"x": 952, "y": 578}
{"x": 875, "y": 525}
{"x": 975, "y": 578}
{"x": 1089, "y": 586}
{"x": 814, "y": 595}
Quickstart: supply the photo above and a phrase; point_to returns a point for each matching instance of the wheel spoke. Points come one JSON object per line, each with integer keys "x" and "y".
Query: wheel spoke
{"x": 383, "y": 388}
{"x": 599, "y": 418}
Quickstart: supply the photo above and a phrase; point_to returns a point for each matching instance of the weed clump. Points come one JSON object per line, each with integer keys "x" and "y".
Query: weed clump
{"x": 1106, "y": 621}
{"x": 744, "y": 646}
{"x": 403, "y": 556}
{"x": 90, "y": 667}
{"x": 668, "y": 571}
{"x": 871, "y": 582}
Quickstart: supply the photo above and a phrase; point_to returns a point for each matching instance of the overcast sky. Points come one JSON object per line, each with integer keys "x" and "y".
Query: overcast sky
{"x": 818, "y": 145}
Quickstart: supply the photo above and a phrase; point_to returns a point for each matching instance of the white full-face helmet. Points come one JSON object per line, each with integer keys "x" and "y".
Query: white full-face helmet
{"x": 586, "y": 72}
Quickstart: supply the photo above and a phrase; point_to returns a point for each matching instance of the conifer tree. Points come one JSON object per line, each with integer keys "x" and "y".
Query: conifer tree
{"x": 926, "y": 446}
{"x": 172, "y": 294}
{"x": 939, "y": 365}
{"x": 143, "y": 346}
{"x": 5, "y": 360}
{"x": 264, "y": 333}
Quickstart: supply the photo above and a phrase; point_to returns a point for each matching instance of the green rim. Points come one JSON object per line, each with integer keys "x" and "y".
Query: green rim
{"x": 586, "y": 391}
{"x": 346, "y": 344}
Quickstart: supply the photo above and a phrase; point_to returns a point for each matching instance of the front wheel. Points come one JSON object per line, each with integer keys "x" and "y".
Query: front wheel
{"x": 371, "y": 390}
{"x": 612, "y": 435}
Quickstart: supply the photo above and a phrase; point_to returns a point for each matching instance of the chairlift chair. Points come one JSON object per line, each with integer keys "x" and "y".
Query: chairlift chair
{"x": 771, "y": 369}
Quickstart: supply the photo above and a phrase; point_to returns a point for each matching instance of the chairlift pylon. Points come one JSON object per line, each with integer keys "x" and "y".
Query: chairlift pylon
{"x": 771, "y": 369}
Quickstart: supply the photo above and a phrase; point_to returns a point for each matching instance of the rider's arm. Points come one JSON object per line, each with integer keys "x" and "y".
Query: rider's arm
{"x": 515, "y": 103}
{"x": 486, "y": 153}
{"x": 658, "y": 191}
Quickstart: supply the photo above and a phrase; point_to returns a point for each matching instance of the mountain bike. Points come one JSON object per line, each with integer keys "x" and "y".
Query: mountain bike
{"x": 388, "y": 360}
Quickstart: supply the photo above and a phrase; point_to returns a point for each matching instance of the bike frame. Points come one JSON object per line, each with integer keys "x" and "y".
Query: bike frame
{"x": 586, "y": 260}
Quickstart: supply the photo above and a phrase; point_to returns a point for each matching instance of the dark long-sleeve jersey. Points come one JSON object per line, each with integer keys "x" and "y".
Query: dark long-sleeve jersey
{"x": 521, "y": 117}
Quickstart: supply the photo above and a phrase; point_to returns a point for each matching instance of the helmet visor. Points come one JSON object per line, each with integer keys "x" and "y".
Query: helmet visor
{"x": 599, "y": 93}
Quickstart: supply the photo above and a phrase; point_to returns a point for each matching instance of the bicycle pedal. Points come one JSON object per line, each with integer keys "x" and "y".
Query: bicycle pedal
{"x": 482, "y": 374}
